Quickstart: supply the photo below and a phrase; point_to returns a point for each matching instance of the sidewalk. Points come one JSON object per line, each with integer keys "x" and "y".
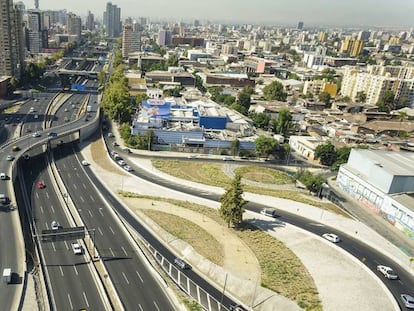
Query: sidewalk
{"x": 359, "y": 288}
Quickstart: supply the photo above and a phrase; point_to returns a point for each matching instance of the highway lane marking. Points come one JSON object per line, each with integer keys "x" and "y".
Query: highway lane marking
{"x": 139, "y": 305}
{"x": 139, "y": 275}
{"x": 64, "y": 165}
{"x": 69, "y": 175}
{"x": 77, "y": 175}
{"x": 401, "y": 282}
{"x": 100, "y": 211}
{"x": 70, "y": 301}
{"x": 110, "y": 228}
{"x": 90, "y": 213}
{"x": 66, "y": 244}
{"x": 81, "y": 198}
{"x": 76, "y": 270}
{"x": 126, "y": 280}
{"x": 84, "y": 186}
{"x": 51, "y": 207}
{"x": 156, "y": 305}
{"x": 125, "y": 252}
{"x": 61, "y": 270}
{"x": 316, "y": 224}
{"x": 86, "y": 299}
{"x": 100, "y": 231}
{"x": 47, "y": 194}
{"x": 37, "y": 195}
{"x": 74, "y": 186}
{"x": 41, "y": 209}
{"x": 53, "y": 245}
{"x": 92, "y": 199}
{"x": 113, "y": 255}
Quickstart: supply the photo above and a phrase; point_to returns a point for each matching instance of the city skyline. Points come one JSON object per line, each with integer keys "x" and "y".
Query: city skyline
{"x": 282, "y": 12}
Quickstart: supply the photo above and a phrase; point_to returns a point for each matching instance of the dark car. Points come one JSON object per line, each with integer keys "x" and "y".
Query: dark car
{"x": 52, "y": 134}
{"x": 236, "y": 307}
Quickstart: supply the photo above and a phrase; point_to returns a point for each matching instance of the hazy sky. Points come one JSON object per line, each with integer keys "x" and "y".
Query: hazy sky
{"x": 311, "y": 12}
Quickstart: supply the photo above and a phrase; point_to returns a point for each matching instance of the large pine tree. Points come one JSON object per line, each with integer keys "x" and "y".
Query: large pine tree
{"x": 232, "y": 203}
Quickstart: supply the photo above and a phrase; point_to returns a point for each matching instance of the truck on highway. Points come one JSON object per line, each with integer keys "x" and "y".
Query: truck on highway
{"x": 7, "y": 275}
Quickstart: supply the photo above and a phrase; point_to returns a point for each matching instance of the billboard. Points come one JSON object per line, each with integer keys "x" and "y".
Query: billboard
{"x": 155, "y": 111}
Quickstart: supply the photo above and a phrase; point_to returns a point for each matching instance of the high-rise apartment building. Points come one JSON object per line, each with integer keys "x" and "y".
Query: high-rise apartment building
{"x": 164, "y": 37}
{"x": 375, "y": 80}
{"x": 90, "y": 21}
{"x": 352, "y": 46}
{"x": 33, "y": 31}
{"x": 112, "y": 20}
{"x": 300, "y": 25}
{"x": 11, "y": 39}
{"x": 74, "y": 26}
{"x": 131, "y": 40}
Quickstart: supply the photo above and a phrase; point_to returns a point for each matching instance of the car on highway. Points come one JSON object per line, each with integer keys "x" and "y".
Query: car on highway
{"x": 40, "y": 185}
{"x": 331, "y": 237}
{"x": 54, "y": 225}
{"x": 236, "y": 307}
{"x": 228, "y": 159}
{"x": 127, "y": 150}
{"x": 85, "y": 163}
{"x": 36, "y": 116}
{"x": 52, "y": 134}
{"x": 36, "y": 134}
{"x": 181, "y": 264}
{"x": 15, "y": 148}
{"x": 26, "y": 157}
{"x": 4, "y": 200}
{"x": 407, "y": 300}
{"x": 268, "y": 212}
{"x": 121, "y": 162}
{"x": 3, "y": 176}
{"x": 128, "y": 168}
{"x": 76, "y": 248}
{"x": 10, "y": 157}
{"x": 115, "y": 144}
{"x": 387, "y": 272}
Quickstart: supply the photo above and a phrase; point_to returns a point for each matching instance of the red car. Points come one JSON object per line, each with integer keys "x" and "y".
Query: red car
{"x": 40, "y": 185}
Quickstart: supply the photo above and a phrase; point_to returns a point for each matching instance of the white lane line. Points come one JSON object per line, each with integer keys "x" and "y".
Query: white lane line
{"x": 139, "y": 275}
{"x": 125, "y": 252}
{"x": 41, "y": 209}
{"x": 61, "y": 270}
{"x": 92, "y": 199}
{"x": 90, "y": 213}
{"x": 100, "y": 211}
{"x": 37, "y": 195}
{"x": 70, "y": 302}
{"x": 140, "y": 307}
{"x": 126, "y": 280}
{"x": 66, "y": 244}
{"x": 69, "y": 175}
{"x": 156, "y": 306}
{"x": 84, "y": 186}
{"x": 76, "y": 270}
{"x": 113, "y": 255}
{"x": 100, "y": 231}
{"x": 81, "y": 198}
{"x": 86, "y": 299}
{"x": 74, "y": 186}
{"x": 51, "y": 207}
{"x": 53, "y": 246}
{"x": 47, "y": 194}
{"x": 110, "y": 228}
{"x": 77, "y": 175}
{"x": 64, "y": 165}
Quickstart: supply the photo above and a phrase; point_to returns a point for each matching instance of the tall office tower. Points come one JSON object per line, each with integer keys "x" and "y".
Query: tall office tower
{"x": 112, "y": 20}
{"x": 300, "y": 25}
{"x": 74, "y": 26}
{"x": 36, "y": 4}
{"x": 11, "y": 39}
{"x": 196, "y": 23}
{"x": 364, "y": 35}
{"x": 20, "y": 5}
{"x": 33, "y": 35}
{"x": 90, "y": 21}
{"x": 131, "y": 40}
{"x": 164, "y": 37}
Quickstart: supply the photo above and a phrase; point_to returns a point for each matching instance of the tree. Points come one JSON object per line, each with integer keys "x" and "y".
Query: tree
{"x": 312, "y": 182}
{"x": 199, "y": 84}
{"x": 342, "y": 155}
{"x": 361, "y": 97}
{"x": 402, "y": 116}
{"x": 283, "y": 122}
{"x": 274, "y": 91}
{"x": 325, "y": 97}
{"x": 264, "y": 146}
{"x": 386, "y": 101}
{"x": 244, "y": 101}
{"x": 235, "y": 147}
{"x": 260, "y": 120}
{"x": 326, "y": 153}
{"x": 232, "y": 203}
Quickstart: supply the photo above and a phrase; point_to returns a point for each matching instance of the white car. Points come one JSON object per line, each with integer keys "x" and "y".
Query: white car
{"x": 54, "y": 225}
{"x": 268, "y": 212}
{"x": 3, "y": 176}
{"x": 128, "y": 168}
{"x": 407, "y": 300}
{"x": 36, "y": 134}
{"x": 76, "y": 248}
{"x": 10, "y": 158}
{"x": 85, "y": 163}
{"x": 387, "y": 272}
{"x": 331, "y": 237}
{"x": 121, "y": 162}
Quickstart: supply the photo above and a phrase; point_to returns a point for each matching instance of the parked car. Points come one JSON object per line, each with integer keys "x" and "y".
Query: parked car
{"x": 408, "y": 301}
{"x": 76, "y": 248}
{"x": 387, "y": 272}
{"x": 331, "y": 237}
